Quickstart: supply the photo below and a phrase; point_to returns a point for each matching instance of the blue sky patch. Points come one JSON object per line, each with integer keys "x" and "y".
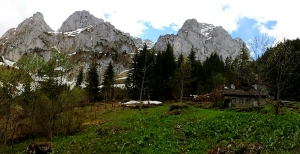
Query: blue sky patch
{"x": 225, "y": 7}
{"x": 271, "y": 24}
{"x": 153, "y": 34}
{"x": 106, "y": 15}
{"x": 248, "y": 29}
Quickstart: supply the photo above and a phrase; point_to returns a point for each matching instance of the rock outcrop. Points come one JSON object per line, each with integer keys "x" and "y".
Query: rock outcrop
{"x": 84, "y": 32}
{"x": 28, "y": 36}
{"x": 80, "y": 32}
{"x": 139, "y": 43}
{"x": 204, "y": 38}
{"x": 78, "y": 20}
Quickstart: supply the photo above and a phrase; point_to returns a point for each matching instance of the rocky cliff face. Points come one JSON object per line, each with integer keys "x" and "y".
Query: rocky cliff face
{"x": 139, "y": 43}
{"x": 78, "y": 20}
{"x": 204, "y": 38}
{"x": 84, "y": 32}
{"x": 29, "y": 35}
{"x": 80, "y": 32}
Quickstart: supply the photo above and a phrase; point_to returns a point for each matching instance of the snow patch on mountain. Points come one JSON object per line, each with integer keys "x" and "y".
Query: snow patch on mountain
{"x": 76, "y": 32}
{"x": 8, "y": 62}
{"x": 204, "y": 38}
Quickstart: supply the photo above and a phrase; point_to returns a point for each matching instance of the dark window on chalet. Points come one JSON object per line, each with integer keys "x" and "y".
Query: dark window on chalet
{"x": 233, "y": 100}
{"x": 241, "y": 100}
{"x": 248, "y": 101}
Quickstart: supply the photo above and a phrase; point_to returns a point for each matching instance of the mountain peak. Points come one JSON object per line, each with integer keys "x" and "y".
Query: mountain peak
{"x": 200, "y": 28}
{"x": 79, "y": 19}
{"x": 38, "y": 16}
{"x": 204, "y": 38}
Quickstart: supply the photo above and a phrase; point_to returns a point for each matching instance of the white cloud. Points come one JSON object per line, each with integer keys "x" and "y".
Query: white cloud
{"x": 130, "y": 15}
{"x": 175, "y": 27}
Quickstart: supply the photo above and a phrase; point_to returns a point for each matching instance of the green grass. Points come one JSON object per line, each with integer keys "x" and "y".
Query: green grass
{"x": 195, "y": 130}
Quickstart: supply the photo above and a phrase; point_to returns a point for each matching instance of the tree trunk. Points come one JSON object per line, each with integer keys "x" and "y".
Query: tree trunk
{"x": 278, "y": 102}
{"x": 181, "y": 92}
{"x": 14, "y": 127}
{"x": 277, "y": 107}
{"x": 5, "y": 130}
{"x": 141, "y": 93}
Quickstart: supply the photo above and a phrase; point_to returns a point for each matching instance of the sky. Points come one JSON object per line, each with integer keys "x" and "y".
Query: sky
{"x": 152, "y": 18}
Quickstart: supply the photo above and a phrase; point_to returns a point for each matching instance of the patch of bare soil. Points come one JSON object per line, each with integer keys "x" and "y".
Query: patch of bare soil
{"x": 239, "y": 148}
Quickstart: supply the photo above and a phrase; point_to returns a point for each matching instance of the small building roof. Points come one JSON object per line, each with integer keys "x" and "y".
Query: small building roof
{"x": 234, "y": 92}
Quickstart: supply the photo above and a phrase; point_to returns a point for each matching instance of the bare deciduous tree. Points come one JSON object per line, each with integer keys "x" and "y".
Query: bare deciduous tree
{"x": 181, "y": 78}
{"x": 258, "y": 47}
{"x": 281, "y": 64}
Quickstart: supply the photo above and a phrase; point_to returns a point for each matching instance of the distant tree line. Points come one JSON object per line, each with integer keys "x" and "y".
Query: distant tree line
{"x": 160, "y": 75}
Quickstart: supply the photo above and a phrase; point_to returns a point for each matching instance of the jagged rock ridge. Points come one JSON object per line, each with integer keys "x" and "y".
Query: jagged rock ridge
{"x": 78, "y": 20}
{"x": 139, "y": 43}
{"x": 28, "y": 35}
{"x": 80, "y": 32}
{"x": 204, "y": 38}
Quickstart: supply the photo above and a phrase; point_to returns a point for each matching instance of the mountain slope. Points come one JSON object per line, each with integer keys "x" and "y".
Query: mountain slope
{"x": 29, "y": 34}
{"x": 204, "y": 38}
{"x": 80, "y": 32}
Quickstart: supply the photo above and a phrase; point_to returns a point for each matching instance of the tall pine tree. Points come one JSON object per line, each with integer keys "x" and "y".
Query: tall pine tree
{"x": 79, "y": 78}
{"x": 179, "y": 61}
{"x": 169, "y": 67}
{"x": 157, "y": 82}
{"x": 93, "y": 83}
{"x": 141, "y": 74}
{"x": 192, "y": 62}
{"x": 181, "y": 78}
{"x": 108, "y": 81}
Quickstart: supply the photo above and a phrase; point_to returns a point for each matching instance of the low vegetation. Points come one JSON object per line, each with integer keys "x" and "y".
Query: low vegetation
{"x": 194, "y": 130}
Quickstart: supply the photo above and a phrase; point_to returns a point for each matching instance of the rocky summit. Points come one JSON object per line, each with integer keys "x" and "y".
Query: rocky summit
{"x": 29, "y": 34}
{"x": 80, "y": 32}
{"x": 83, "y": 32}
{"x": 203, "y": 38}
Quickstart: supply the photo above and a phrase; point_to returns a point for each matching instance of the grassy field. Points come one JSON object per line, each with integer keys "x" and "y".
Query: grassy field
{"x": 190, "y": 130}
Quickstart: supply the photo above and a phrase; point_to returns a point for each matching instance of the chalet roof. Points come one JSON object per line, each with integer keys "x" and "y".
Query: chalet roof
{"x": 233, "y": 92}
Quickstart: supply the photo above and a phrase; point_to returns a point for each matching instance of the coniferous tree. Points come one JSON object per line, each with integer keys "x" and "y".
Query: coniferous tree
{"x": 243, "y": 68}
{"x": 169, "y": 64}
{"x": 108, "y": 81}
{"x": 192, "y": 61}
{"x": 179, "y": 61}
{"x": 132, "y": 77}
{"x": 199, "y": 76}
{"x": 79, "y": 78}
{"x": 93, "y": 83}
{"x": 281, "y": 65}
{"x": 292, "y": 91}
{"x": 141, "y": 74}
{"x": 181, "y": 78}
{"x": 169, "y": 67}
{"x": 229, "y": 74}
{"x": 213, "y": 73}
{"x": 158, "y": 78}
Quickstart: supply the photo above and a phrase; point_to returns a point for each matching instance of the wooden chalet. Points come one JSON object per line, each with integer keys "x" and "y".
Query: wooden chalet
{"x": 241, "y": 98}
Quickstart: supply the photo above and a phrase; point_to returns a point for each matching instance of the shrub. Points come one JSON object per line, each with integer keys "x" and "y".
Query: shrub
{"x": 268, "y": 110}
{"x": 68, "y": 123}
{"x": 204, "y": 105}
{"x": 218, "y": 105}
{"x": 177, "y": 106}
